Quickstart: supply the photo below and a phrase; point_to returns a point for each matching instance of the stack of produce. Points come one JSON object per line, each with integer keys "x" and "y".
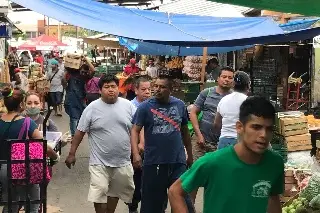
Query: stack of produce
{"x": 298, "y": 205}
{"x": 308, "y": 201}
{"x": 73, "y": 61}
{"x": 312, "y": 121}
{"x": 36, "y": 71}
{"x": 294, "y": 127}
{"x": 192, "y": 67}
{"x": 175, "y": 63}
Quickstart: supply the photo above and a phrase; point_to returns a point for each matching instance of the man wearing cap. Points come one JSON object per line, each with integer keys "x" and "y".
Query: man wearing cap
{"x": 55, "y": 76}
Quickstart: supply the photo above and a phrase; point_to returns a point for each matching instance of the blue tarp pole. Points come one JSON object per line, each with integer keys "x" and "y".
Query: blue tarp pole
{"x": 203, "y": 68}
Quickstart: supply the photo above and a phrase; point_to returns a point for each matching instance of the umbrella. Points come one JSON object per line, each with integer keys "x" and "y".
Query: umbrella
{"x": 43, "y": 42}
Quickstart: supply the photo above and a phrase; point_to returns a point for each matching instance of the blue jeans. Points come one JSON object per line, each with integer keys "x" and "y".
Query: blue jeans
{"x": 156, "y": 180}
{"x": 225, "y": 142}
{"x": 73, "y": 126}
{"x": 18, "y": 193}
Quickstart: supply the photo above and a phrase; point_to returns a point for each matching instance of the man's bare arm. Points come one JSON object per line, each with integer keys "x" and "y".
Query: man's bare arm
{"x": 217, "y": 125}
{"x": 141, "y": 141}
{"x": 187, "y": 143}
{"x": 274, "y": 205}
{"x": 76, "y": 142}
{"x": 177, "y": 198}
{"x": 194, "y": 119}
{"x": 134, "y": 138}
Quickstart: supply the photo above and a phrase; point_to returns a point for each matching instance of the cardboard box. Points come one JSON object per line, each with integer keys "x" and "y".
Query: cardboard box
{"x": 72, "y": 61}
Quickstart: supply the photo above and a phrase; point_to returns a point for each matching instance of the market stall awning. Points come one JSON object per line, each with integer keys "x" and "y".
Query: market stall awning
{"x": 102, "y": 42}
{"x": 146, "y": 48}
{"x": 43, "y": 42}
{"x": 273, "y": 39}
{"x": 151, "y": 25}
{"x": 303, "y": 7}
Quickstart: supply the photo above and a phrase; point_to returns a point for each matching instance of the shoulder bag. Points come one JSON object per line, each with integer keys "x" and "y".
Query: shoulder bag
{"x": 18, "y": 170}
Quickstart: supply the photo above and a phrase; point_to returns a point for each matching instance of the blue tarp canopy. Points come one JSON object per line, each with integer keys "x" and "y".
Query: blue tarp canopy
{"x": 174, "y": 29}
{"x": 147, "y": 48}
{"x": 299, "y": 24}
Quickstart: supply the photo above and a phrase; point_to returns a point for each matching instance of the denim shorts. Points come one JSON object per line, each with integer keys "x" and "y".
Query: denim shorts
{"x": 55, "y": 98}
{"x": 225, "y": 142}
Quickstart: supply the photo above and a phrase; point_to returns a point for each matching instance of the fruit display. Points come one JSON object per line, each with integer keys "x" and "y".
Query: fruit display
{"x": 298, "y": 205}
{"x": 312, "y": 121}
{"x": 175, "y": 63}
{"x": 35, "y": 75}
{"x": 313, "y": 189}
{"x": 192, "y": 67}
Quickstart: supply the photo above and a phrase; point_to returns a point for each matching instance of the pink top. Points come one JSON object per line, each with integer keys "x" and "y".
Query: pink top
{"x": 92, "y": 86}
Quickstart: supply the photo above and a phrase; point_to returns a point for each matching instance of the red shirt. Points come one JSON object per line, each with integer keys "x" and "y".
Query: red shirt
{"x": 40, "y": 60}
{"x": 128, "y": 69}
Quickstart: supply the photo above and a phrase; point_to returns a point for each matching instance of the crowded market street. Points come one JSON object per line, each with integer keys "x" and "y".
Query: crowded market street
{"x": 68, "y": 189}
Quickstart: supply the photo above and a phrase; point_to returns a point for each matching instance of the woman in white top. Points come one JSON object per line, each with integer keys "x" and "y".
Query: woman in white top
{"x": 228, "y": 110}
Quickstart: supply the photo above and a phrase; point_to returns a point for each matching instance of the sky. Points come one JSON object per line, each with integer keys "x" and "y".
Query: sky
{"x": 33, "y": 17}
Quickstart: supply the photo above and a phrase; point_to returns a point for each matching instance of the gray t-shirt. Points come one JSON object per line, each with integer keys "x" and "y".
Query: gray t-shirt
{"x": 208, "y": 102}
{"x": 108, "y": 127}
{"x": 56, "y": 82}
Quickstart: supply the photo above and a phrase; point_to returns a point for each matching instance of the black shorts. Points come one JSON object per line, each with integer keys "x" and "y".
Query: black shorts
{"x": 55, "y": 98}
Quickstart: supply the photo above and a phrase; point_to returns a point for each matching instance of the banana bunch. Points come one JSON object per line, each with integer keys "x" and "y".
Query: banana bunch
{"x": 175, "y": 63}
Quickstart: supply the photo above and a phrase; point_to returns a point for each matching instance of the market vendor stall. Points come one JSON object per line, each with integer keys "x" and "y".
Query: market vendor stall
{"x": 293, "y": 140}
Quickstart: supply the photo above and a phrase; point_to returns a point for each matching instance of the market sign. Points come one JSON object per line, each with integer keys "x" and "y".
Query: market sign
{"x": 316, "y": 42}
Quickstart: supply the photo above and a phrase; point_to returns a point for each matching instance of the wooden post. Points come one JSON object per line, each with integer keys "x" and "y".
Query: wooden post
{"x": 204, "y": 64}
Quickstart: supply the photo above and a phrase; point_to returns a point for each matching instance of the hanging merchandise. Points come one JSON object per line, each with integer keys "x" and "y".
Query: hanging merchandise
{"x": 143, "y": 62}
{"x": 4, "y": 71}
{"x": 223, "y": 59}
{"x": 192, "y": 67}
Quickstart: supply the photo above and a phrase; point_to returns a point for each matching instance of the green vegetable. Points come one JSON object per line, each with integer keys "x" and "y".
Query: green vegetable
{"x": 315, "y": 202}
{"x": 313, "y": 189}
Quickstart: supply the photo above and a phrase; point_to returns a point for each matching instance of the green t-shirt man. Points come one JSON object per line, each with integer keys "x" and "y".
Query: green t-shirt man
{"x": 232, "y": 186}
